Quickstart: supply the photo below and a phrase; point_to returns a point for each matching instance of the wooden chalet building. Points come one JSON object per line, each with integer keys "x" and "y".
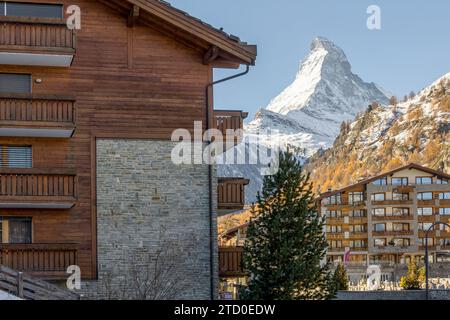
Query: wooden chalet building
{"x": 86, "y": 119}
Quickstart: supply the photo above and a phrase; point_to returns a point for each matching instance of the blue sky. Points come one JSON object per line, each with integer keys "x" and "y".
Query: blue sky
{"x": 410, "y": 51}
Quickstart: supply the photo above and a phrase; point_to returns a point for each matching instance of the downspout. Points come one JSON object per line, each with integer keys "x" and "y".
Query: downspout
{"x": 212, "y": 234}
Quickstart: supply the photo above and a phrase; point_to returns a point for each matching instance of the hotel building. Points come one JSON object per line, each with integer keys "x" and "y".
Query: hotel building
{"x": 383, "y": 220}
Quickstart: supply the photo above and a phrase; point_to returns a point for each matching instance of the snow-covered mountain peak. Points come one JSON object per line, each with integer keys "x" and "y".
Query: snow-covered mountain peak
{"x": 308, "y": 114}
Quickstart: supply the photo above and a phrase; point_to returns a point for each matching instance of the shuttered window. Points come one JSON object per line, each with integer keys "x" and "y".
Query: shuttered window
{"x": 16, "y": 157}
{"x": 15, "y": 83}
{"x": 35, "y": 10}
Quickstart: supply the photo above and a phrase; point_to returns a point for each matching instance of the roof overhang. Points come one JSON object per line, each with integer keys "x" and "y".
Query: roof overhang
{"x": 226, "y": 50}
{"x": 369, "y": 180}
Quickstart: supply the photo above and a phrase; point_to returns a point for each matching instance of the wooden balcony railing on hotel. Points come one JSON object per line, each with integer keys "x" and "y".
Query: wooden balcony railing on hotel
{"x": 30, "y": 34}
{"x": 230, "y": 120}
{"x": 49, "y": 261}
{"x": 231, "y": 193}
{"x": 230, "y": 262}
{"x": 34, "y": 115}
{"x": 29, "y": 188}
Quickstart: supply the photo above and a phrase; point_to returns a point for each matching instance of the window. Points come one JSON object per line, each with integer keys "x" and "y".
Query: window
{"x": 358, "y": 213}
{"x": 19, "y": 230}
{"x": 425, "y": 211}
{"x": 424, "y": 180}
{"x": 425, "y": 196}
{"x": 400, "y": 212}
{"x": 379, "y": 212}
{"x": 335, "y": 244}
{"x": 445, "y": 242}
{"x": 334, "y": 214}
{"x": 444, "y": 196}
{"x": 35, "y": 10}
{"x": 334, "y": 229}
{"x": 379, "y": 227}
{"x": 15, "y": 83}
{"x": 443, "y": 227}
{"x": 355, "y": 197}
{"x": 380, "y": 182}
{"x": 441, "y": 181}
{"x": 378, "y": 197}
{"x": 379, "y": 242}
{"x": 400, "y": 196}
{"x": 425, "y": 226}
{"x": 358, "y": 228}
{"x": 430, "y": 242}
{"x": 358, "y": 244}
{"x": 402, "y": 242}
{"x": 400, "y": 181}
{"x": 400, "y": 227}
{"x": 334, "y": 199}
{"x": 16, "y": 157}
{"x": 444, "y": 211}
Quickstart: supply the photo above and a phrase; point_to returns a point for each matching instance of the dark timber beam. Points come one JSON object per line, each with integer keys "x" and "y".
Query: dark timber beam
{"x": 134, "y": 16}
{"x": 211, "y": 55}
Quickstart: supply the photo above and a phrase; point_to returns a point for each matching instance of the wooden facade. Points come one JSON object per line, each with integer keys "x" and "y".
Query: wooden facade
{"x": 138, "y": 79}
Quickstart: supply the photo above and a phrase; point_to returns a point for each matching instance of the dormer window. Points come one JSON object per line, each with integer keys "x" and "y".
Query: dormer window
{"x": 32, "y": 10}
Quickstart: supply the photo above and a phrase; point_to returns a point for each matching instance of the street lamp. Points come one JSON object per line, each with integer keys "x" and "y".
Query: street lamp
{"x": 426, "y": 253}
{"x": 394, "y": 245}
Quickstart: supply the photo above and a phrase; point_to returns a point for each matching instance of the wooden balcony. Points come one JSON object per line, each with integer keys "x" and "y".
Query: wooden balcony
{"x": 392, "y": 233}
{"x": 393, "y": 218}
{"x": 36, "y": 42}
{"x": 358, "y": 235}
{"x": 230, "y": 262}
{"x": 228, "y": 122}
{"x": 393, "y": 203}
{"x": 231, "y": 193}
{"x": 47, "y": 261}
{"x": 34, "y": 189}
{"x": 36, "y": 116}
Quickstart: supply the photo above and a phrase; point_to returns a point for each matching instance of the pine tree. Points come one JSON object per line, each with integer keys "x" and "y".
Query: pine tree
{"x": 340, "y": 278}
{"x": 286, "y": 245}
{"x": 415, "y": 277}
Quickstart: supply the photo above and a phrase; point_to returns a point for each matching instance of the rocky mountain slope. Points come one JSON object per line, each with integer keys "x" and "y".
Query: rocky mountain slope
{"x": 385, "y": 137}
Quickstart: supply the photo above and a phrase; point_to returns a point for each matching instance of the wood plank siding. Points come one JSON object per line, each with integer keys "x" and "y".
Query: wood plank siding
{"x": 127, "y": 81}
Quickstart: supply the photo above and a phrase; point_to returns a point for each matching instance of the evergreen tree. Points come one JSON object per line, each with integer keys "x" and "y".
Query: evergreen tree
{"x": 340, "y": 278}
{"x": 415, "y": 277}
{"x": 286, "y": 245}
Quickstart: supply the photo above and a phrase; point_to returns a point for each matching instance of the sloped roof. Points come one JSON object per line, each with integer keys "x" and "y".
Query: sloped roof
{"x": 161, "y": 12}
{"x": 369, "y": 180}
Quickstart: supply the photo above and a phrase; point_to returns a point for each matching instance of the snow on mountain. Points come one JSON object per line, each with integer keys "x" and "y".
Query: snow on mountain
{"x": 386, "y": 137}
{"x": 308, "y": 114}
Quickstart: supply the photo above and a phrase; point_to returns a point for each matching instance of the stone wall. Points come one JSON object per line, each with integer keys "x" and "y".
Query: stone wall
{"x": 151, "y": 215}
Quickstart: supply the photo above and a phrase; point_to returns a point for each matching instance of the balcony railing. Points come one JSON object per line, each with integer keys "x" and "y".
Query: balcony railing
{"x": 230, "y": 262}
{"x": 231, "y": 193}
{"x": 391, "y": 202}
{"x": 49, "y": 261}
{"x": 34, "y": 189}
{"x": 230, "y": 120}
{"x": 40, "y": 42}
{"x": 36, "y": 116}
{"x": 392, "y": 233}
{"x": 393, "y": 218}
